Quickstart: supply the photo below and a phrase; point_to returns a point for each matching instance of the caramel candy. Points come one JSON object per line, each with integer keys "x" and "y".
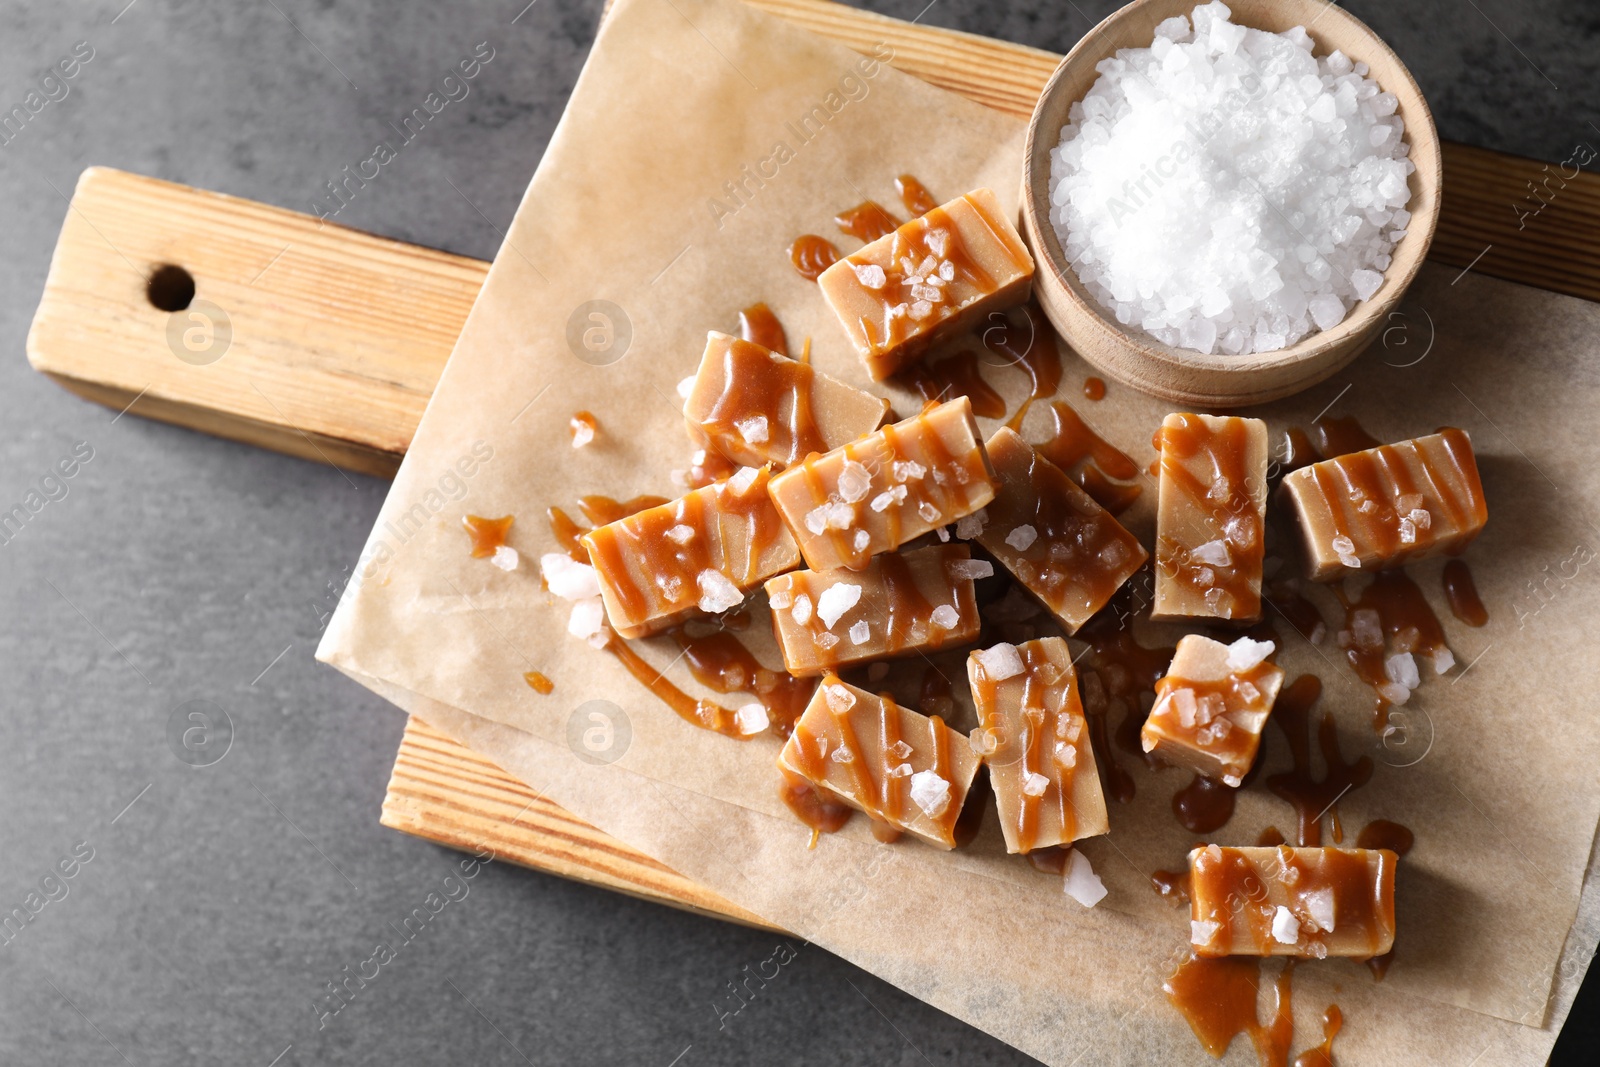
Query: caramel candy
{"x": 935, "y": 277}
{"x": 755, "y": 406}
{"x": 1284, "y": 901}
{"x": 897, "y": 765}
{"x": 899, "y": 604}
{"x": 1063, "y": 547}
{"x": 1033, "y": 737}
{"x": 875, "y": 494}
{"x": 1210, "y": 520}
{"x": 1388, "y": 505}
{"x": 1212, "y": 705}
{"x": 695, "y": 555}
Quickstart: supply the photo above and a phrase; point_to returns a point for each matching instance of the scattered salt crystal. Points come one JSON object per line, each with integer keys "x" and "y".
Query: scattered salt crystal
{"x": 870, "y": 275}
{"x": 1366, "y": 627}
{"x": 937, "y": 240}
{"x": 753, "y": 429}
{"x": 1000, "y": 662}
{"x": 970, "y": 526}
{"x": 970, "y": 568}
{"x": 944, "y": 533}
{"x": 686, "y": 386}
{"x": 1034, "y": 784}
{"x": 839, "y": 698}
{"x": 780, "y": 599}
{"x": 587, "y": 618}
{"x": 751, "y": 719}
{"x": 860, "y": 633}
{"x": 854, "y": 481}
{"x": 1408, "y": 532}
{"x": 841, "y": 516}
{"x": 1080, "y": 882}
{"x": 900, "y": 770}
{"x": 505, "y": 557}
{"x": 582, "y": 432}
{"x": 826, "y": 641}
{"x": 861, "y": 540}
{"x": 928, "y": 511}
{"x": 835, "y": 600}
{"x": 816, "y": 519}
{"x": 900, "y": 751}
{"x": 1246, "y": 652}
{"x": 742, "y": 480}
{"x": 717, "y": 593}
{"x": 1394, "y": 693}
{"x": 1022, "y": 538}
{"x": 1420, "y": 518}
{"x": 1442, "y": 660}
{"x": 984, "y": 742}
{"x": 1401, "y": 669}
{"x": 801, "y": 612}
{"x": 893, "y": 495}
{"x": 1408, "y": 501}
{"x": 1319, "y": 905}
{"x": 945, "y": 617}
{"x": 842, "y": 754}
{"x": 1213, "y": 552}
{"x": 1366, "y": 282}
{"x": 931, "y": 793}
{"x": 908, "y": 470}
{"x": 1232, "y": 781}
{"x": 1188, "y": 709}
{"x": 1066, "y": 754}
{"x": 567, "y": 578}
{"x": 680, "y": 534}
{"x": 1285, "y": 927}
{"x": 1201, "y": 932}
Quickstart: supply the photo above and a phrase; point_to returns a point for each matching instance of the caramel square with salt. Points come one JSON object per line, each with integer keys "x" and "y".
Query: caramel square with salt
{"x": 1212, "y": 705}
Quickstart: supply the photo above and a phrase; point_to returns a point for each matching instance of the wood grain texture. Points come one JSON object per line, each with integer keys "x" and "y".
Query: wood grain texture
{"x": 340, "y": 338}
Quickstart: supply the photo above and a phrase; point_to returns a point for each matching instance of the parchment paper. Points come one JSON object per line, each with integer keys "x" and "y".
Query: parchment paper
{"x": 645, "y": 200}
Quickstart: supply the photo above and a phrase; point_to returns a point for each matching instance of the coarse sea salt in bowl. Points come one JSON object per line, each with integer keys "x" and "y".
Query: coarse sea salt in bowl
{"x": 1247, "y": 207}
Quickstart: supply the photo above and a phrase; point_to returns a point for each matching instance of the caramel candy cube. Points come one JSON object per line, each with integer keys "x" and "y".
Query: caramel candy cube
{"x": 1211, "y": 707}
{"x": 1052, "y": 536}
{"x": 1035, "y": 740}
{"x": 755, "y": 406}
{"x": 696, "y": 555}
{"x": 1283, "y": 901}
{"x": 1210, "y": 517}
{"x": 900, "y": 604}
{"x": 875, "y": 494}
{"x": 935, "y": 277}
{"x": 899, "y": 766}
{"x": 1388, "y": 505}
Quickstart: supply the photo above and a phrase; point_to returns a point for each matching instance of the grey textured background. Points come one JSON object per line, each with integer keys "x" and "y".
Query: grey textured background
{"x": 178, "y": 567}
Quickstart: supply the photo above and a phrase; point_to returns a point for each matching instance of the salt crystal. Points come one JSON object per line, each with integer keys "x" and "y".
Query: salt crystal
{"x": 839, "y": 698}
{"x": 801, "y": 612}
{"x": 1213, "y": 552}
{"x": 1080, "y": 882}
{"x": 1366, "y": 627}
{"x": 1246, "y": 652}
{"x": 931, "y": 793}
{"x": 854, "y": 481}
{"x": 1022, "y": 538}
{"x": 686, "y": 386}
{"x": 970, "y": 526}
{"x": 505, "y": 557}
{"x": 826, "y": 641}
{"x": 870, "y": 275}
{"x": 908, "y": 470}
{"x": 741, "y": 481}
{"x": 1408, "y": 532}
{"x": 1401, "y": 669}
{"x": 1034, "y": 784}
{"x": 567, "y": 578}
{"x": 928, "y": 511}
{"x": 861, "y": 540}
{"x": 1000, "y": 662}
{"x": 753, "y": 429}
{"x": 587, "y": 618}
{"x": 780, "y": 600}
{"x": 945, "y": 617}
{"x": 1394, "y": 692}
{"x": 582, "y": 432}
{"x": 900, "y": 751}
{"x": 1187, "y": 707}
{"x": 1201, "y": 932}
{"x": 1420, "y": 518}
{"x": 842, "y": 754}
{"x": 751, "y": 719}
{"x": 717, "y": 593}
{"x": 680, "y": 534}
{"x": 1066, "y": 754}
{"x": 1319, "y": 905}
{"x": 1285, "y": 927}
{"x": 1443, "y": 660}
{"x": 860, "y": 632}
{"x": 835, "y": 600}
{"x": 900, "y": 770}
{"x": 970, "y": 568}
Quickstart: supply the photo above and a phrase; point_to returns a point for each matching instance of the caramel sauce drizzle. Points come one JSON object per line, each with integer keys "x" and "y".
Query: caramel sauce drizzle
{"x": 811, "y": 806}
{"x": 1272, "y": 837}
{"x": 1462, "y": 593}
{"x": 1322, "y": 1055}
{"x": 1222, "y": 452}
{"x": 866, "y": 222}
{"x": 707, "y": 467}
{"x": 1408, "y": 625}
{"x": 603, "y": 510}
{"x": 811, "y": 255}
{"x": 1072, "y": 443}
{"x": 779, "y": 389}
{"x": 539, "y": 683}
{"x": 1122, "y": 671}
{"x": 1341, "y": 435}
{"x": 1381, "y": 833}
{"x": 1094, "y": 389}
{"x": 914, "y": 196}
{"x": 759, "y": 326}
{"x": 1217, "y": 997}
{"x": 486, "y": 534}
{"x": 1171, "y": 886}
{"x": 1310, "y": 796}
{"x": 568, "y": 534}
{"x": 954, "y": 376}
{"x": 1204, "y": 805}
{"x": 720, "y": 662}
{"x": 1036, "y": 355}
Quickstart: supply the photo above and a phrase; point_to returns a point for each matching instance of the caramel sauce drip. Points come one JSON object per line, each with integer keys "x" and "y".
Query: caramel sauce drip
{"x": 720, "y": 662}
{"x": 1462, "y": 592}
{"x": 811, "y": 807}
{"x": 782, "y": 391}
{"x": 957, "y": 375}
{"x": 1171, "y": 886}
{"x": 539, "y": 683}
{"x": 1298, "y": 451}
{"x": 918, "y": 200}
{"x": 1222, "y": 454}
{"x": 1072, "y": 443}
{"x": 1217, "y": 997}
{"x": 1407, "y": 622}
{"x": 1204, "y": 805}
{"x": 1052, "y": 860}
{"x": 1381, "y": 833}
{"x": 1094, "y": 389}
{"x": 603, "y": 510}
{"x": 1036, "y": 354}
{"x": 584, "y": 422}
{"x": 866, "y": 222}
{"x": 811, "y": 255}
{"x": 568, "y": 534}
{"x": 1123, "y": 671}
{"x": 486, "y": 534}
{"x": 759, "y": 326}
{"x": 1272, "y": 837}
{"x": 1310, "y": 796}
{"x": 705, "y": 714}
{"x": 1322, "y": 1055}
{"x": 712, "y": 467}
{"x": 1340, "y": 436}
{"x": 884, "y": 833}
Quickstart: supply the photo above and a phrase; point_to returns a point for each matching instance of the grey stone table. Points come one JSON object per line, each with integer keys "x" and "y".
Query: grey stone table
{"x": 209, "y": 906}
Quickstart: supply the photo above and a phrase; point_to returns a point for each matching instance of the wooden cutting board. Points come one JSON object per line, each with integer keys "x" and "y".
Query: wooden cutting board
{"x": 334, "y": 340}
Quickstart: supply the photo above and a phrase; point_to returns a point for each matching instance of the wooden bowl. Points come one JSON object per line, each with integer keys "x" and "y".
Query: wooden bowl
{"x": 1221, "y": 381}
